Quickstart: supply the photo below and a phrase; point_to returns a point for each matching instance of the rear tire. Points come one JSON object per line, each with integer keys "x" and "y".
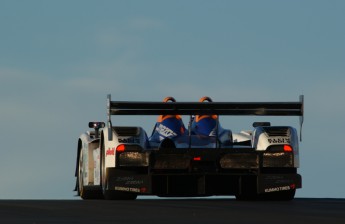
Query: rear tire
{"x": 248, "y": 189}
{"x": 279, "y": 196}
{"x": 274, "y": 196}
{"x": 118, "y": 195}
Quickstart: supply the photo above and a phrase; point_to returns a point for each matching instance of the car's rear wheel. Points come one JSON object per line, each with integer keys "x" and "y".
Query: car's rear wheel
{"x": 248, "y": 189}
{"x": 273, "y": 196}
{"x": 279, "y": 196}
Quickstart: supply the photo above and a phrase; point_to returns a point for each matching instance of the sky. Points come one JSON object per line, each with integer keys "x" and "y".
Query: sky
{"x": 60, "y": 59}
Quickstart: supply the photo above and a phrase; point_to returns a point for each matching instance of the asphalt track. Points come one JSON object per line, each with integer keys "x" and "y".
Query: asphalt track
{"x": 226, "y": 210}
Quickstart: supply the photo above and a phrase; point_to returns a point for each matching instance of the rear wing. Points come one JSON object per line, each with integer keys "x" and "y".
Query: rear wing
{"x": 199, "y": 108}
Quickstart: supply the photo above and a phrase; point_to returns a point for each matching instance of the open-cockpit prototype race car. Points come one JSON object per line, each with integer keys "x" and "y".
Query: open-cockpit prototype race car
{"x": 202, "y": 159}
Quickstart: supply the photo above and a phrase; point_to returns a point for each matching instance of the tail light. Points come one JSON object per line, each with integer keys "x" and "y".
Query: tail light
{"x": 121, "y": 148}
{"x": 280, "y": 148}
{"x": 128, "y": 148}
{"x": 287, "y": 148}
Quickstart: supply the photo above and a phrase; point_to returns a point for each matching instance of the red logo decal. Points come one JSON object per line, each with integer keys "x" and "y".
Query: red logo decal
{"x": 110, "y": 152}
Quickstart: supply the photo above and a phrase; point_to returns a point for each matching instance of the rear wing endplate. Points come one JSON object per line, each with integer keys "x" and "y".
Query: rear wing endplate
{"x": 198, "y": 108}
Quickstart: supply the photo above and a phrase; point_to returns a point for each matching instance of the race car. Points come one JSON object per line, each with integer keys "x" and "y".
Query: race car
{"x": 204, "y": 159}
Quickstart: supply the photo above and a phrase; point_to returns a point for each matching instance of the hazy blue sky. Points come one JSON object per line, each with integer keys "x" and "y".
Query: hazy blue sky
{"x": 59, "y": 60}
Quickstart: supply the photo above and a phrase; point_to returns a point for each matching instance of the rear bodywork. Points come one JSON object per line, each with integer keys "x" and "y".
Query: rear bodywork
{"x": 122, "y": 162}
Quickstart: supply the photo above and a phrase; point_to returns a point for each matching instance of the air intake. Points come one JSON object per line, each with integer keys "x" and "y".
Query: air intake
{"x": 127, "y": 131}
{"x": 277, "y": 131}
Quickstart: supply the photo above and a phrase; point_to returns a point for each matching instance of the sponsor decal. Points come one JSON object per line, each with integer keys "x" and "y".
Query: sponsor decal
{"x": 279, "y": 140}
{"x": 165, "y": 131}
{"x": 124, "y": 178}
{"x": 283, "y": 188}
{"x": 129, "y": 140}
{"x": 128, "y": 189}
{"x": 110, "y": 152}
{"x": 129, "y": 181}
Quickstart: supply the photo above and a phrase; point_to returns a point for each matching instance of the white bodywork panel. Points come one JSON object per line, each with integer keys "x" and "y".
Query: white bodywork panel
{"x": 91, "y": 159}
{"x": 242, "y": 136}
{"x": 84, "y": 154}
{"x": 262, "y": 140}
{"x": 91, "y": 152}
{"x": 96, "y": 170}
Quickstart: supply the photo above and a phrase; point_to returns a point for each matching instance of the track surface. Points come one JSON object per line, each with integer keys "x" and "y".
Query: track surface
{"x": 173, "y": 211}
